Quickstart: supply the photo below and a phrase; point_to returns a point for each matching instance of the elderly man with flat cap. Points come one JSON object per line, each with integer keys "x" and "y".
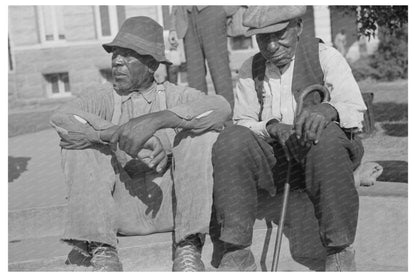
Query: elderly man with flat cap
{"x": 137, "y": 156}
{"x": 250, "y": 159}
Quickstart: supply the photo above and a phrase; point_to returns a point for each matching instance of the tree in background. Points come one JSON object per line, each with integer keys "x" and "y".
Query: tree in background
{"x": 391, "y": 24}
{"x": 392, "y": 18}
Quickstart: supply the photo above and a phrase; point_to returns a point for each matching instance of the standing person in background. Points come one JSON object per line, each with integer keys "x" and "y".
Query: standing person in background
{"x": 204, "y": 31}
{"x": 341, "y": 42}
{"x": 172, "y": 70}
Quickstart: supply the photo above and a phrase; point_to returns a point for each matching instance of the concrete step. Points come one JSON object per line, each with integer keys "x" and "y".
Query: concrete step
{"x": 145, "y": 253}
{"x": 381, "y": 243}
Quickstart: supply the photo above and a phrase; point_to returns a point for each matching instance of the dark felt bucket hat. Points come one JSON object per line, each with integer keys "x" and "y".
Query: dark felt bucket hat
{"x": 270, "y": 19}
{"x": 142, "y": 35}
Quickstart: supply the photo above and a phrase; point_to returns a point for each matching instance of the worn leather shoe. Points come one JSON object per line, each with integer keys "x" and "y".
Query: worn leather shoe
{"x": 104, "y": 257}
{"x": 188, "y": 255}
{"x": 238, "y": 260}
{"x": 75, "y": 257}
{"x": 79, "y": 254}
{"x": 343, "y": 260}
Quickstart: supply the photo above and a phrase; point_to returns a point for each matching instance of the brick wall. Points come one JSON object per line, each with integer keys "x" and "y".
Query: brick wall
{"x": 150, "y": 11}
{"x": 81, "y": 62}
{"x": 23, "y": 25}
{"x": 79, "y": 23}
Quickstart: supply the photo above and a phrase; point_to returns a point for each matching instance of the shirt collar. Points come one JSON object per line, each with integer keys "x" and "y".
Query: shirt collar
{"x": 148, "y": 94}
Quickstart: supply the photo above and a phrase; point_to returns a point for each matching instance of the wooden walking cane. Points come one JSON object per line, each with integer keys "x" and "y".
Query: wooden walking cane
{"x": 324, "y": 93}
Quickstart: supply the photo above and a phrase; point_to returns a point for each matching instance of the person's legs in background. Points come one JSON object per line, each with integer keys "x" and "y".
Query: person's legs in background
{"x": 195, "y": 59}
{"x": 172, "y": 72}
{"x": 212, "y": 27}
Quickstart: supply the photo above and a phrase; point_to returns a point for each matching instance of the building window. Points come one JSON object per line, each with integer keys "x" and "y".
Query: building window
{"x": 51, "y": 23}
{"x": 241, "y": 43}
{"x": 57, "y": 84}
{"x": 109, "y": 19}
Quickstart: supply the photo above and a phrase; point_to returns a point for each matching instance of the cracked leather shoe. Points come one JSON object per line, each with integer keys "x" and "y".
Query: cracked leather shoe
{"x": 188, "y": 255}
{"x": 104, "y": 257}
{"x": 343, "y": 260}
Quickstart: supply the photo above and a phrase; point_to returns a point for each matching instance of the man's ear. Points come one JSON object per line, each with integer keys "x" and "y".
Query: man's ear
{"x": 153, "y": 65}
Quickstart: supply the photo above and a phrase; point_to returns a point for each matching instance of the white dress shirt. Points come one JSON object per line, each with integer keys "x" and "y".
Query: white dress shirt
{"x": 279, "y": 101}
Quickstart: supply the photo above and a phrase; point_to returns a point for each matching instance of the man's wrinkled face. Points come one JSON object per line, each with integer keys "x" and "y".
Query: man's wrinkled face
{"x": 130, "y": 70}
{"x": 279, "y": 47}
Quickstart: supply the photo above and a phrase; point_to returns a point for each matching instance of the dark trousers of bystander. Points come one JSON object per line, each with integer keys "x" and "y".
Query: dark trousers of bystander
{"x": 206, "y": 39}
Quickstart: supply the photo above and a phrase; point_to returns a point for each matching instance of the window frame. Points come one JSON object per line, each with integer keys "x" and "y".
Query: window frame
{"x": 113, "y": 19}
{"x": 61, "y": 86}
{"x": 41, "y": 22}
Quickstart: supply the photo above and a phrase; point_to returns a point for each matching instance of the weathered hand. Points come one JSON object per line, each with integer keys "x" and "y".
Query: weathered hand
{"x": 135, "y": 133}
{"x": 173, "y": 39}
{"x": 285, "y": 135}
{"x": 105, "y": 135}
{"x": 279, "y": 131}
{"x": 153, "y": 154}
{"x": 312, "y": 121}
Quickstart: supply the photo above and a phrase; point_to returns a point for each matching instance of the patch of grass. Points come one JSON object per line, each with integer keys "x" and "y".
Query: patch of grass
{"x": 396, "y": 92}
{"x": 31, "y": 122}
{"x": 395, "y": 129}
{"x": 394, "y": 171}
{"x": 388, "y": 111}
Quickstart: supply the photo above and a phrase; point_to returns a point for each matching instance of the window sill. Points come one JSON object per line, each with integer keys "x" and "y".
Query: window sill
{"x": 59, "y": 95}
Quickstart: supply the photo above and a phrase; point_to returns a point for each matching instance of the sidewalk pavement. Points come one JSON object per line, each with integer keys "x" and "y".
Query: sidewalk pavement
{"x": 37, "y": 205}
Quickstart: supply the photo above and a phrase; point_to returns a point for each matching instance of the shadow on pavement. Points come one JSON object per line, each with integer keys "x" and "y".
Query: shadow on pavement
{"x": 17, "y": 165}
{"x": 300, "y": 228}
{"x": 394, "y": 171}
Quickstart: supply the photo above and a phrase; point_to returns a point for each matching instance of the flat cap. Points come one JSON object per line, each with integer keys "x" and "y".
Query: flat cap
{"x": 270, "y": 19}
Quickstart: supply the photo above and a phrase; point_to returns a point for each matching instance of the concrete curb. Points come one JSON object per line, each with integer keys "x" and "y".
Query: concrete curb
{"x": 381, "y": 243}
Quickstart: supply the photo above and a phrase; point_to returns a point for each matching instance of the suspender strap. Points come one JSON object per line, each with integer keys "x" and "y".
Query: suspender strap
{"x": 258, "y": 71}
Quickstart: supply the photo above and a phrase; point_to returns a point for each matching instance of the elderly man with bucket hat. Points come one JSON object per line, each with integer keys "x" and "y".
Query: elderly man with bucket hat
{"x": 251, "y": 158}
{"x": 137, "y": 156}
